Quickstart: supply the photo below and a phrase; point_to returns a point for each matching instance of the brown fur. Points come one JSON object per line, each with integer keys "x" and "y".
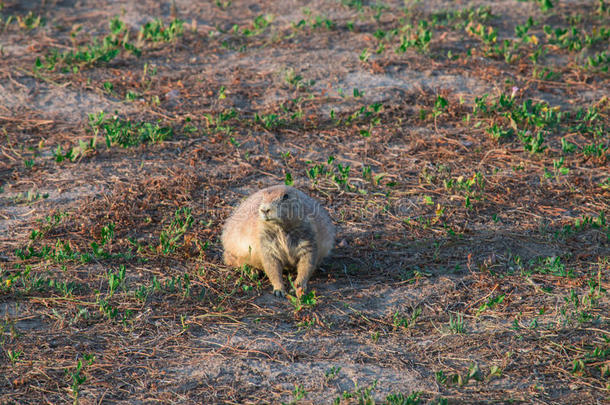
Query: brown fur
{"x": 275, "y": 228}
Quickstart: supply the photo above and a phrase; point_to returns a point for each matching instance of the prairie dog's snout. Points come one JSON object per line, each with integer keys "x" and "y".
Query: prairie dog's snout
{"x": 265, "y": 210}
{"x": 282, "y": 208}
{"x": 269, "y": 211}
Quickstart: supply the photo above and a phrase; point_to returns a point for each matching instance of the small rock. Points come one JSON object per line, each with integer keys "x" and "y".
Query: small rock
{"x": 172, "y": 95}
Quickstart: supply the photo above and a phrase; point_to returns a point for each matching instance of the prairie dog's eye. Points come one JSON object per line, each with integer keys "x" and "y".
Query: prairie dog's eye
{"x": 285, "y": 197}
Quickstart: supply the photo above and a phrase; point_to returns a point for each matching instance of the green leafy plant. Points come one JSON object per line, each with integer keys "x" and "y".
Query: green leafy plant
{"x": 533, "y": 143}
{"x": 156, "y": 30}
{"x": 554, "y": 266}
{"x": 269, "y": 121}
{"x": 498, "y": 133}
{"x": 30, "y": 21}
{"x": 456, "y": 325}
{"x": 288, "y": 179}
{"x": 362, "y": 395}
{"x": 306, "y": 300}
{"x": 257, "y": 27}
{"x": 401, "y": 399}
{"x": 337, "y": 173}
{"x": 332, "y": 373}
{"x": 115, "y": 280}
{"x": 126, "y": 133}
{"x": 77, "y": 376}
{"x": 169, "y": 239}
{"x": 96, "y": 52}
{"x": 418, "y": 38}
{"x": 491, "y": 303}
{"x": 400, "y": 321}
{"x": 14, "y": 355}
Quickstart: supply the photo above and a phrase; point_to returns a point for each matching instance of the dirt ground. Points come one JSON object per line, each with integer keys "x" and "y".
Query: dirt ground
{"x": 461, "y": 148}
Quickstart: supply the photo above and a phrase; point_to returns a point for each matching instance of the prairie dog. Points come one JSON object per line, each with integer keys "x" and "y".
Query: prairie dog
{"x": 275, "y": 228}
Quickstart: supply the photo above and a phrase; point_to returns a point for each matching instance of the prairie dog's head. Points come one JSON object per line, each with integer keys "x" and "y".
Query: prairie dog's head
{"x": 282, "y": 205}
